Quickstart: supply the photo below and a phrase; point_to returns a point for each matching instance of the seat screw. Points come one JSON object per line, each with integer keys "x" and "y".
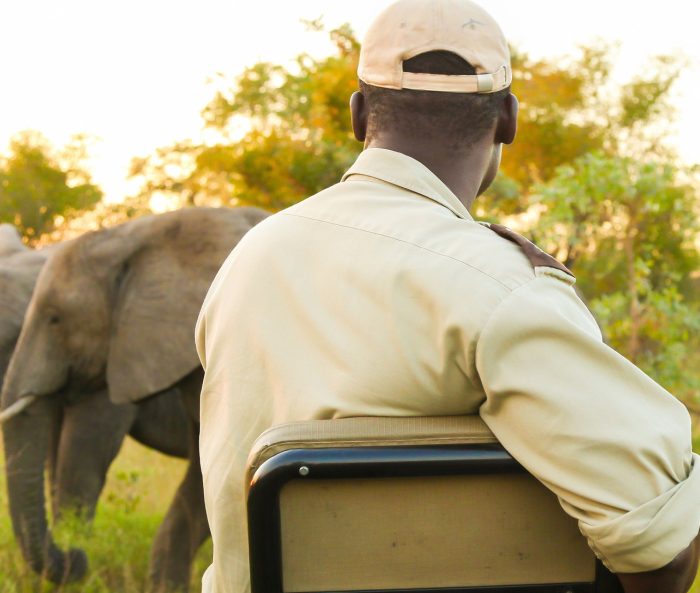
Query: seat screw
{"x": 303, "y": 471}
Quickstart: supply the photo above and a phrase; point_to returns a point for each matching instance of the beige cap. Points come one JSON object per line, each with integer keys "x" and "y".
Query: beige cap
{"x": 409, "y": 28}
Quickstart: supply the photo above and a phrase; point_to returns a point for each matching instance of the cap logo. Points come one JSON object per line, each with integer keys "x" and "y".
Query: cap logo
{"x": 472, "y": 23}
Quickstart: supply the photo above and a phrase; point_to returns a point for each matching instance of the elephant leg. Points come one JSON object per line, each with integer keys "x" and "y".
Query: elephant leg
{"x": 91, "y": 435}
{"x": 182, "y": 532}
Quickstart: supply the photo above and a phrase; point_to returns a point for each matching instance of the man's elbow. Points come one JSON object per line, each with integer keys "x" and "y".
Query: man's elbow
{"x": 676, "y": 577}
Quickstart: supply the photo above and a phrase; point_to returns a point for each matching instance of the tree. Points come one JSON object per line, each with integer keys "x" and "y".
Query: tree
{"x": 39, "y": 185}
{"x": 559, "y": 114}
{"x": 299, "y": 139}
{"x": 568, "y": 108}
{"x": 628, "y": 230}
{"x": 102, "y": 215}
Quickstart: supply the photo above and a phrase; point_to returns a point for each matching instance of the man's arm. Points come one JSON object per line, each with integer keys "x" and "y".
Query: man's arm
{"x": 613, "y": 445}
{"x": 676, "y": 577}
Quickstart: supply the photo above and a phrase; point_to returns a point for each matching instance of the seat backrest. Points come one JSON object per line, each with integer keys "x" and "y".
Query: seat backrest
{"x": 382, "y": 504}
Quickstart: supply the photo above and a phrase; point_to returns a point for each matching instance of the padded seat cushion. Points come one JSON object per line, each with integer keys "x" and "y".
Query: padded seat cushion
{"x": 368, "y": 432}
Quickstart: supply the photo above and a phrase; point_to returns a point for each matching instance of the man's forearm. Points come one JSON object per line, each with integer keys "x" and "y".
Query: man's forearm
{"x": 676, "y": 577}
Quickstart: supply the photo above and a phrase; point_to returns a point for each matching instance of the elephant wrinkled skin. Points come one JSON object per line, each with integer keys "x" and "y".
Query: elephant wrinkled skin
{"x": 107, "y": 346}
{"x": 76, "y": 439}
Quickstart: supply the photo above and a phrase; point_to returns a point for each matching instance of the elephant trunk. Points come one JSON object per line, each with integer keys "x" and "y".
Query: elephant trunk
{"x": 26, "y": 439}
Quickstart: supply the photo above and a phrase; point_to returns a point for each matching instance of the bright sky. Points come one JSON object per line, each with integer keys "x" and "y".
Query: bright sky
{"x": 134, "y": 73}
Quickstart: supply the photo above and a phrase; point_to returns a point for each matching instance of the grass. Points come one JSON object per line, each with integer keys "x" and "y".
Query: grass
{"x": 140, "y": 486}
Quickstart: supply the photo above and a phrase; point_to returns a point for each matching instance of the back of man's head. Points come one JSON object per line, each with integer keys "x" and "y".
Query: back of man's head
{"x": 434, "y": 68}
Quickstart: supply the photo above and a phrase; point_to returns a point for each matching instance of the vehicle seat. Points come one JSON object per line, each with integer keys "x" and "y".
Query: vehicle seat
{"x": 407, "y": 504}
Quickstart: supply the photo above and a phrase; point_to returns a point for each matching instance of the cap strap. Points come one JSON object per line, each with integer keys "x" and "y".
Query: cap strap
{"x": 458, "y": 83}
{"x": 484, "y": 83}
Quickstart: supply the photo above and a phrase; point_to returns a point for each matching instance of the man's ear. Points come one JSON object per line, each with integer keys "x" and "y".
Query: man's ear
{"x": 358, "y": 111}
{"x": 507, "y": 124}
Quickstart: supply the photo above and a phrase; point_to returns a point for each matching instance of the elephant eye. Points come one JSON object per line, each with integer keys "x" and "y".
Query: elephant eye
{"x": 54, "y": 319}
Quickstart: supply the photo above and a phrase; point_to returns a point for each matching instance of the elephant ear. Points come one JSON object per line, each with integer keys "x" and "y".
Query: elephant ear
{"x": 159, "y": 290}
{"x": 10, "y": 240}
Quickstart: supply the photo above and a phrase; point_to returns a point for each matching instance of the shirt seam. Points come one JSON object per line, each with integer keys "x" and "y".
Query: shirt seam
{"x": 492, "y": 316}
{"x": 480, "y": 271}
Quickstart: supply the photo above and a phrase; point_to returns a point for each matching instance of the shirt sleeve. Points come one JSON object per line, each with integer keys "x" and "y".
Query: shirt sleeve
{"x": 199, "y": 339}
{"x": 613, "y": 445}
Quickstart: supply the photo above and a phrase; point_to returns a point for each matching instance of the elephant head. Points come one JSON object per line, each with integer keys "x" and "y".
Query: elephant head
{"x": 115, "y": 308}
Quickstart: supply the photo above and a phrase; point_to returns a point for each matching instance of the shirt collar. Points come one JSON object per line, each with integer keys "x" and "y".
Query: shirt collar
{"x": 406, "y": 172}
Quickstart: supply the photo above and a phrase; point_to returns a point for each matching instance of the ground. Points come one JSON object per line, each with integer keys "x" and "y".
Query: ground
{"x": 139, "y": 488}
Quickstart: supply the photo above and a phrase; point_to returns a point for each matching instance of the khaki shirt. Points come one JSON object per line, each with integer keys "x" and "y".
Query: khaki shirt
{"x": 381, "y": 296}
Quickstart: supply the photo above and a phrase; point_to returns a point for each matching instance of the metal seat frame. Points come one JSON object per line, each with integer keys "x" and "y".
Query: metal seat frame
{"x": 264, "y": 523}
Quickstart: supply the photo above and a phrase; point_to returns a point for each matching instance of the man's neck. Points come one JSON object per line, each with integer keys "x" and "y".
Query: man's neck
{"x": 461, "y": 170}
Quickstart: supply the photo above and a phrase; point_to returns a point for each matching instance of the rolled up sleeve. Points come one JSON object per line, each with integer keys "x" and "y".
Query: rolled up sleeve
{"x": 613, "y": 445}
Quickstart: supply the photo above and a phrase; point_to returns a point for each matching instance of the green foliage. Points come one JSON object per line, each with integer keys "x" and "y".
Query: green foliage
{"x": 284, "y": 133}
{"x": 503, "y": 197}
{"x": 310, "y": 103}
{"x": 559, "y": 119}
{"x": 645, "y": 98}
{"x": 103, "y": 215}
{"x": 627, "y": 228}
{"x": 37, "y": 186}
{"x": 298, "y": 139}
{"x": 139, "y": 488}
{"x": 569, "y": 108}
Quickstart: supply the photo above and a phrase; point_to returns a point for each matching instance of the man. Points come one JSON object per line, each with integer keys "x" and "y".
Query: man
{"x": 381, "y": 296}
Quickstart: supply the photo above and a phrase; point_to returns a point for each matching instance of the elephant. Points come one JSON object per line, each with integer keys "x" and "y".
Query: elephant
{"x": 86, "y": 434}
{"x": 108, "y": 339}
{"x": 19, "y": 267}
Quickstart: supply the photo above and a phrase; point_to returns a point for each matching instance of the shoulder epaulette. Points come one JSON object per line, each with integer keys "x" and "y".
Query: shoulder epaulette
{"x": 537, "y": 257}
